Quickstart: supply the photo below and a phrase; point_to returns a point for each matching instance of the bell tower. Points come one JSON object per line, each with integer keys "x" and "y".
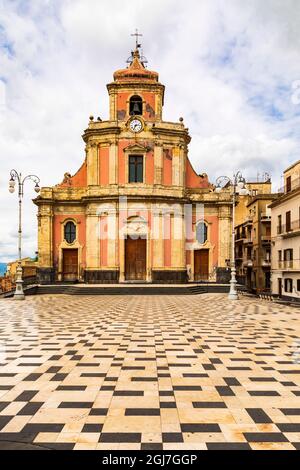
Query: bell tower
{"x": 135, "y": 149}
{"x": 136, "y": 91}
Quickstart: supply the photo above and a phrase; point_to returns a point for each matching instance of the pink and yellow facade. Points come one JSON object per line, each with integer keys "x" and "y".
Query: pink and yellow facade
{"x": 136, "y": 210}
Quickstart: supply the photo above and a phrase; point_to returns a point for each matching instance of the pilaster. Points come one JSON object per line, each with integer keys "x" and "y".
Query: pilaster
{"x": 157, "y": 239}
{"x": 113, "y": 163}
{"x": 158, "y": 163}
{"x": 93, "y": 241}
{"x": 92, "y": 164}
{"x": 45, "y": 236}
{"x": 178, "y": 240}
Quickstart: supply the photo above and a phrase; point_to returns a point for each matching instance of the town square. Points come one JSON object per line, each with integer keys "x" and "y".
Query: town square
{"x": 156, "y": 372}
{"x": 149, "y": 227}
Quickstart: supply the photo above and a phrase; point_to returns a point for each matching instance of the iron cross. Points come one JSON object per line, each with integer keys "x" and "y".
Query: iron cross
{"x": 136, "y": 34}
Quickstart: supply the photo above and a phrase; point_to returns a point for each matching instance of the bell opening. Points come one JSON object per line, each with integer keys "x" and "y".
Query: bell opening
{"x": 136, "y": 106}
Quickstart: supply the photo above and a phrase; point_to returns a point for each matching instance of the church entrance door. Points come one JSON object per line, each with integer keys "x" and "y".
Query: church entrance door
{"x": 70, "y": 265}
{"x": 201, "y": 264}
{"x": 135, "y": 259}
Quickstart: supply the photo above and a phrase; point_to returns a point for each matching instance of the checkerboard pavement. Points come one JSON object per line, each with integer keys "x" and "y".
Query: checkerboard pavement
{"x": 149, "y": 372}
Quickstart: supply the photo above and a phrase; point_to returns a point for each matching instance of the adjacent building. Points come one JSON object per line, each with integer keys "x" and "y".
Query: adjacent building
{"x": 136, "y": 211}
{"x": 286, "y": 237}
{"x": 29, "y": 268}
{"x": 253, "y": 237}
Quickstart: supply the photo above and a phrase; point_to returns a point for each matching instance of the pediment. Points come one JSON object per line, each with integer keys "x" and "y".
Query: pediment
{"x": 136, "y": 148}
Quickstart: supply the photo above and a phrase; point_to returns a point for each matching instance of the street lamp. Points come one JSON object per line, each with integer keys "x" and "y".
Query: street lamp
{"x": 16, "y": 177}
{"x": 238, "y": 184}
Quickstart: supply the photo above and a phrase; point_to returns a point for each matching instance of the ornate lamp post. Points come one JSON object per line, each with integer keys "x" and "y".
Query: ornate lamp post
{"x": 238, "y": 184}
{"x": 16, "y": 177}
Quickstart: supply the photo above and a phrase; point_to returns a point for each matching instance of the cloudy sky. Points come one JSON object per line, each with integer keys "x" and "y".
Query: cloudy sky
{"x": 231, "y": 69}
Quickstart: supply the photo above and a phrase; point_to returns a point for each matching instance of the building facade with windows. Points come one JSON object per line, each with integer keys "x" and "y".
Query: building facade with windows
{"x": 253, "y": 238}
{"x": 136, "y": 210}
{"x": 286, "y": 237}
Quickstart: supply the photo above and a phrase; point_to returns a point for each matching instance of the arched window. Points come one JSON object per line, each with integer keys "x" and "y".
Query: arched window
{"x": 135, "y": 105}
{"x": 70, "y": 232}
{"x": 201, "y": 232}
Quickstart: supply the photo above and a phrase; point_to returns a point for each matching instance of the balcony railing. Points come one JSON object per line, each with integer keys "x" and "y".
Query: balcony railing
{"x": 248, "y": 263}
{"x": 266, "y": 263}
{"x": 266, "y": 238}
{"x": 289, "y": 264}
{"x": 239, "y": 236}
{"x": 248, "y": 221}
{"x": 295, "y": 184}
{"x": 292, "y": 227}
{"x": 265, "y": 217}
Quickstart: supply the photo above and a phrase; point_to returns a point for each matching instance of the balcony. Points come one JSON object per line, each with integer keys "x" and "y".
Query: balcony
{"x": 239, "y": 237}
{"x": 248, "y": 263}
{"x": 287, "y": 188}
{"x": 266, "y": 263}
{"x": 248, "y": 221}
{"x": 289, "y": 265}
{"x": 290, "y": 229}
{"x": 248, "y": 241}
{"x": 265, "y": 217}
{"x": 266, "y": 239}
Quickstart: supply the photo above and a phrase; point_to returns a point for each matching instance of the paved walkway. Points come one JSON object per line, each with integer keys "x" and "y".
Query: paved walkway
{"x": 156, "y": 372}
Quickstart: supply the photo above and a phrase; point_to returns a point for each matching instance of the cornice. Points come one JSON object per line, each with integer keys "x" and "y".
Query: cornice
{"x": 160, "y": 131}
{"x": 285, "y": 197}
{"x": 113, "y": 130}
{"x": 146, "y": 198}
{"x": 134, "y": 85}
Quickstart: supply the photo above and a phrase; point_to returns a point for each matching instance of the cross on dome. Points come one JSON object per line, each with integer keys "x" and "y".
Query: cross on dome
{"x": 136, "y": 53}
{"x": 137, "y": 34}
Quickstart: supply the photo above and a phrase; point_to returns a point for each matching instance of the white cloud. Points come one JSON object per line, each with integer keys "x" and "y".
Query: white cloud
{"x": 228, "y": 68}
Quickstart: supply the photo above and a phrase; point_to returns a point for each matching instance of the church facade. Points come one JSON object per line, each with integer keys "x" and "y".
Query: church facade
{"x": 136, "y": 211}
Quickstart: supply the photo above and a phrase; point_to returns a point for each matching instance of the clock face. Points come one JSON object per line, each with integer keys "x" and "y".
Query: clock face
{"x": 136, "y": 125}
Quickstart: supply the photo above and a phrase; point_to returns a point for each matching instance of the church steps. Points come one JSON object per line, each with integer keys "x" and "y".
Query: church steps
{"x": 133, "y": 289}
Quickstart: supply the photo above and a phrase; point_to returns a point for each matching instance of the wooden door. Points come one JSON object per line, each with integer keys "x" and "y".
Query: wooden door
{"x": 135, "y": 259}
{"x": 70, "y": 265}
{"x": 201, "y": 265}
